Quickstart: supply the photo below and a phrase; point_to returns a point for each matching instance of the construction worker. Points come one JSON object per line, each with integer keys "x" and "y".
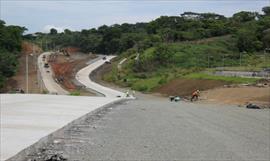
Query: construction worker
{"x": 127, "y": 93}
{"x": 195, "y": 95}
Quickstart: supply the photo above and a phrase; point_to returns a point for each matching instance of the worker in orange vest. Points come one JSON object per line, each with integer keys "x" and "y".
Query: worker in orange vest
{"x": 195, "y": 95}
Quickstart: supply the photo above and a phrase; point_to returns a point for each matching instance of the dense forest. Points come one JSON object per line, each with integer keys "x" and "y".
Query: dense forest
{"x": 10, "y": 47}
{"x": 249, "y": 29}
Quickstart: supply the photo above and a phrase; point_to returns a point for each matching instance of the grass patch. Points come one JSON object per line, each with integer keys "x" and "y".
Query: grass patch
{"x": 146, "y": 85}
{"x": 75, "y": 93}
{"x": 221, "y": 78}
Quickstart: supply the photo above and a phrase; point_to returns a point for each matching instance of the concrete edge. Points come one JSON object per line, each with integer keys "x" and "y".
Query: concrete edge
{"x": 46, "y": 139}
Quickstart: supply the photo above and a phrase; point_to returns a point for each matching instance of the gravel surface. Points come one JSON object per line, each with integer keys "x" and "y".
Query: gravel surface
{"x": 147, "y": 129}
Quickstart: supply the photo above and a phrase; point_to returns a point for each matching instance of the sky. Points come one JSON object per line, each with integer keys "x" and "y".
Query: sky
{"x": 42, "y": 15}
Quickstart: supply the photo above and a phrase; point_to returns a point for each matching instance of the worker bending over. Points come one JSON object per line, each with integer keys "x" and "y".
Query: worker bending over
{"x": 195, "y": 95}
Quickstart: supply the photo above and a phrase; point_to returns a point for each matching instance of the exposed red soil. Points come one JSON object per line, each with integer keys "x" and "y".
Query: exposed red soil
{"x": 72, "y": 50}
{"x": 239, "y": 95}
{"x": 185, "y": 87}
{"x": 61, "y": 71}
{"x": 66, "y": 67}
{"x": 19, "y": 80}
{"x": 28, "y": 48}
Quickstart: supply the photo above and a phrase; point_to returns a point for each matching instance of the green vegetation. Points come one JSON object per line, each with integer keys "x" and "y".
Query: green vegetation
{"x": 10, "y": 46}
{"x": 75, "y": 93}
{"x": 171, "y": 47}
{"x": 221, "y": 78}
{"x": 250, "y": 31}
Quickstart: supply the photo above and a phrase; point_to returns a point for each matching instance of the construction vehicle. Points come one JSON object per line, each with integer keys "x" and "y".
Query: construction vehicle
{"x": 65, "y": 52}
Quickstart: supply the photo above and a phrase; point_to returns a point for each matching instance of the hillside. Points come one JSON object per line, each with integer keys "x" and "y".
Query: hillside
{"x": 161, "y": 64}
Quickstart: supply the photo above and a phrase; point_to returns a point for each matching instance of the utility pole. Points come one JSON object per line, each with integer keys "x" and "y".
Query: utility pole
{"x": 26, "y": 72}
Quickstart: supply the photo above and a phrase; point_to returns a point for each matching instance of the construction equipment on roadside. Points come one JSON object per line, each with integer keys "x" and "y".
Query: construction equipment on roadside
{"x": 65, "y": 52}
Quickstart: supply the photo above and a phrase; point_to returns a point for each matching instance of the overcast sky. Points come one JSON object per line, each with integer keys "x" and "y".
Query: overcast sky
{"x": 40, "y": 15}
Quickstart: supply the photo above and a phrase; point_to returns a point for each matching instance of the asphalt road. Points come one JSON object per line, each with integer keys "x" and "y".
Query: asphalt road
{"x": 156, "y": 129}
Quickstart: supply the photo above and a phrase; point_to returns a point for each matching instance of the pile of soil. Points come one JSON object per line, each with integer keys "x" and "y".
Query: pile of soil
{"x": 185, "y": 87}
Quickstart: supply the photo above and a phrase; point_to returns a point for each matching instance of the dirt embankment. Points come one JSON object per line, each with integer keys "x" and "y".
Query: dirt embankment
{"x": 213, "y": 91}
{"x": 239, "y": 95}
{"x": 97, "y": 75}
{"x": 184, "y": 87}
{"x": 219, "y": 91}
{"x": 19, "y": 80}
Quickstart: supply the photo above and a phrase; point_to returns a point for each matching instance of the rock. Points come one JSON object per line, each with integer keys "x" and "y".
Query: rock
{"x": 56, "y": 157}
{"x": 259, "y": 85}
{"x": 252, "y": 106}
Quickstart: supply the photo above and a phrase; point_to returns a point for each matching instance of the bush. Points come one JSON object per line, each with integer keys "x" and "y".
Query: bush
{"x": 75, "y": 93}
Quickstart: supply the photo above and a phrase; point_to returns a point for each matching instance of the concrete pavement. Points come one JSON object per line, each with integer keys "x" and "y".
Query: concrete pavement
{"x": 47, "y": 77}
{"x": 83, "y": 77}
{"x": 27, "y": 118}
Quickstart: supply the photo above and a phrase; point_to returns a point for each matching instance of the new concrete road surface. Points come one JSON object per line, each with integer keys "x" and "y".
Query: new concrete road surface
{"x": 47, "y": 76}
{"x": 83, "y": 77}
{"x": 157, "y": 129}
{"x": 27, "y": 118}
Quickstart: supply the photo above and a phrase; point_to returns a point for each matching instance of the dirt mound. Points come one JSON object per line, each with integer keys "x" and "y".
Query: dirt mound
{"x": 184, "y": 87}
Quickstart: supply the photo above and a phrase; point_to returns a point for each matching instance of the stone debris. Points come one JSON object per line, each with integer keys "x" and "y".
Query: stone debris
{"x": 253, "y": 106}
{"x": 56, "y": 157}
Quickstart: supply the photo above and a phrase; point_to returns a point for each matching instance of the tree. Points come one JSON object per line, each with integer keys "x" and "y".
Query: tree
{"x": 266, "y": 10}
{"x": 53, "y": 31}
{"x": 245, "y": 16}
{"x": 10, "y": 46}
{"x": 67, "y": 31}
{"x": 247, "y": 40}
{"x": 266, "y": 38}
{"x": 163, "y": 54}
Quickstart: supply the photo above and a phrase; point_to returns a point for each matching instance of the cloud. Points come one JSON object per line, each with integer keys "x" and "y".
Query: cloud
{"x": 47, "y": 28}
